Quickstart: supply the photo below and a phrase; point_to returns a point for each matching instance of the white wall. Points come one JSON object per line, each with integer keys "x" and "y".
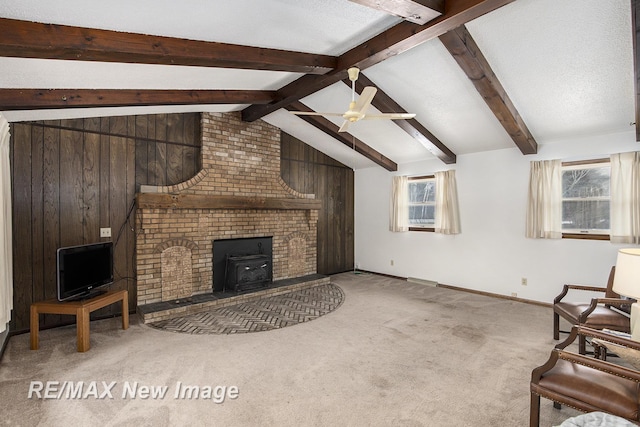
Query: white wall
{"x": 491, "y": 254}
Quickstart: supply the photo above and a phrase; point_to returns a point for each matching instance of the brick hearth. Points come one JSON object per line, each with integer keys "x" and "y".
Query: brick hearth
{"x": 183, "y": 307}
{"x": 237, "y": 194}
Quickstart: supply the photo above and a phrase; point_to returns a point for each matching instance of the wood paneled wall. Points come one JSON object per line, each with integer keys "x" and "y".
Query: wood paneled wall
{"x": 72, "y": 177}
{"x": 307, "y": 170}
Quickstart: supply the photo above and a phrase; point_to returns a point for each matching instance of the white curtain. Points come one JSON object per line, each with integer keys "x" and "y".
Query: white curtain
{"x": 447, "y": 211}
{"x": 6, "y": 259}
{"x": 544, "y": 210}
{"x": 625, "y": 198}
{"x": 399, "y": 208}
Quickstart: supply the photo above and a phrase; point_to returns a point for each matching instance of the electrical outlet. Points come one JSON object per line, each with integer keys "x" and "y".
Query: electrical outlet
{"x": 392, "y": 263}
{"x": 514, "y": 294}
{"x": 524, "y": 281}
{"x": 105, "y": 232}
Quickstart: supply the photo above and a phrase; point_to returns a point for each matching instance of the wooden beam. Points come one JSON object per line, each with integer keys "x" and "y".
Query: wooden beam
{"x": 49, "y": 41}
{"x": 635, "y": 27}
{"x": 197, "y": 201}
{"x": 386, "y": 104}
{"x": 32, "y": 99}
{"x": 468, "y": 55}
{"x": 394, "y": 41}
{"x": 406, "y": 36}
{"x": 328, "y": 127}
{"x": 417, "y": 11}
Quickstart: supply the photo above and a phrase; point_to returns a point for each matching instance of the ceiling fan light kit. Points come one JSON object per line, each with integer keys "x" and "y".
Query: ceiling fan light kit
{"x": 353, "y": 73}
{"x": 358, "y": 108}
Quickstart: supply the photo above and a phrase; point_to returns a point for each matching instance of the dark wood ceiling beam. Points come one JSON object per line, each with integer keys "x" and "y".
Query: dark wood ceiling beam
{"x": 406, "y": 36}
{"x": 48, "y": 41}
{"x": 468, "y": 55}
{"x": 394, "y": 41}
{"x": 328, "y": 127}
{"x": 383, "y": 102}
{"x": 635, "y": 27}
{"x": 31, "y": 99}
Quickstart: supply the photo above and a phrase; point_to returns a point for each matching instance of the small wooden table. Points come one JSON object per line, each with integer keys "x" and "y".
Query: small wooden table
{"x": 82, "y": 310}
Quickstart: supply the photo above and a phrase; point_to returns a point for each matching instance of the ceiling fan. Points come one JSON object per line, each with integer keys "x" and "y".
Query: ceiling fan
{"x": 358, "y": 109}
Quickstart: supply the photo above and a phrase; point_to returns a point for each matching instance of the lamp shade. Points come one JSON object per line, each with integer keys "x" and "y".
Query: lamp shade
{"x": 626, "y": 280}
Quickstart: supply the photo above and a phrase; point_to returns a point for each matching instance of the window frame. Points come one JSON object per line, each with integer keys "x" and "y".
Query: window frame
{"x": 594, "y": 163}
{"x": 421, "y": 178}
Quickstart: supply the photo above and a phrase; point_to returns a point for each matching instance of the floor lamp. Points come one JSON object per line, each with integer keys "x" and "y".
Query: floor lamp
{"x": 626, "y": 281}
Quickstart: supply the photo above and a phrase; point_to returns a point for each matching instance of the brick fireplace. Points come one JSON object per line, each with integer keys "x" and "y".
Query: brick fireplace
{"x": 238, "y": 194}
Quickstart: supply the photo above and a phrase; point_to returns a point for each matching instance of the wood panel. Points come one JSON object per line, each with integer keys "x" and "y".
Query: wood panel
{"x": 174, "y": 151}
{"x": 309, "y": 171}
{"x": 118, "y": 165}
{"x": 51, "y": 215}
{"x": 37, "y": 200}
{"x": 22, "y": 213}
{"x": 72, "y": 177}
{"x": 160, "y": 150}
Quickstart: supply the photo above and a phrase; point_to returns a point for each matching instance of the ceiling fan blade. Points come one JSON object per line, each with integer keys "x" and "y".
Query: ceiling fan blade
{"x": 365, "y": 99}
{"x": 345, "y": 126}
{"x": 313, "y": 113}
{"x": 390, "y": 116}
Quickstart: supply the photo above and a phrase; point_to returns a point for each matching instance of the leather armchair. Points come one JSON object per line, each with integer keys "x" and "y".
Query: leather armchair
{"x": 597, "y": 314}
{"x": 585, "y": 383}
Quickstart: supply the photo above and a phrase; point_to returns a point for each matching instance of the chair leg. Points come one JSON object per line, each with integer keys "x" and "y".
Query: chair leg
{"x": 582, "y": 344}
{"x": 534, "y": 414}
{"x": 556, "y": 326}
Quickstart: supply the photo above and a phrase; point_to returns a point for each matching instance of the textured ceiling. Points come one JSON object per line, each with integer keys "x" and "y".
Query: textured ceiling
{"x": 566, "y": 65}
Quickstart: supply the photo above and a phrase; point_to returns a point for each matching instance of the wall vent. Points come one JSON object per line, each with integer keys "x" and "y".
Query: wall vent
{"x": 422, "y": 281}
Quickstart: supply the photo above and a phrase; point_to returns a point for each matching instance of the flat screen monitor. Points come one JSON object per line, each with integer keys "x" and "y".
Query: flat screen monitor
{"x": 83, "y": 269}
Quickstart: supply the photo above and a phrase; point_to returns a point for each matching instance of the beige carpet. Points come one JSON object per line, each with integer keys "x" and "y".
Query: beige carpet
{"x": 394, "y": 354}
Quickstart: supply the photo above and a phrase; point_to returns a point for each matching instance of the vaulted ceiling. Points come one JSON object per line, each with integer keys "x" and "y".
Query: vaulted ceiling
{"x": 480, "y": 74}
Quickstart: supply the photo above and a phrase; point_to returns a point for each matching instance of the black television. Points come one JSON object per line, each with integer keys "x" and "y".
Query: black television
{"x": 83, "y": 269}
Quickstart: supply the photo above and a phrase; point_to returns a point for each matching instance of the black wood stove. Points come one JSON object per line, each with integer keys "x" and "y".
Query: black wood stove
{"x": 242, "y": 264}
{"x": 247, "y": 272}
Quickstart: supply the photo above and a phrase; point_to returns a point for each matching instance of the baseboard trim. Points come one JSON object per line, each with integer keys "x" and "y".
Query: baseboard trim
{"x": 472, "y": 291}
{"x": 380, "y": 274}
{"x": 489, "y": 294}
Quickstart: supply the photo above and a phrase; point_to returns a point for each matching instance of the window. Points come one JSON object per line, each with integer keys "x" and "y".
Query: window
{"x": 415, "y": 207}
{"x": 586, "y": 198}
{"x": 597, "y": 199}
{"x": 422, "y": 203}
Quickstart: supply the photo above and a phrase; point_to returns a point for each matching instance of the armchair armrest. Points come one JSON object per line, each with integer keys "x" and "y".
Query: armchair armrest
{"x": 559, "y": 352}
{"x": 604, "y": 336}
{"x": 595, "y": 333}
{"x": 622, "y": 304}
{"x": 566, "y": 288}
{"x": 617, "y": 302}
